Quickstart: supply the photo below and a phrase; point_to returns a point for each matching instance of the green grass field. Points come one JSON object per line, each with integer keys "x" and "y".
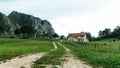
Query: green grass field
{"x": 103, "y": 53}
{"x": 52, "y": 58}
{"x": 98, "y": 55}
{"x": 10, "y": 48}
{"x": 107, "y": 42}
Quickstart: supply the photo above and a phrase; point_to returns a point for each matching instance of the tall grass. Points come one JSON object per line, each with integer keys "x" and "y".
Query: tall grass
{"x": 10, "y": 48}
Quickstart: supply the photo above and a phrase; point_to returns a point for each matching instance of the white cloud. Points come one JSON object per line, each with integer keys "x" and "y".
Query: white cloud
{"x": 105, "y": 17}
{"x": 69, "y": 16}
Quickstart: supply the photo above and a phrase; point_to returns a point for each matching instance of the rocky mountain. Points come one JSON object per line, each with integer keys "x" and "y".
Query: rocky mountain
{"x": 16, "y": 19}
{"x": 6, "y": 29}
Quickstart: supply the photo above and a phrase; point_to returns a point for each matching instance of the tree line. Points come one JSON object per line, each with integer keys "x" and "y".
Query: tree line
{"x": 107, "y": 33}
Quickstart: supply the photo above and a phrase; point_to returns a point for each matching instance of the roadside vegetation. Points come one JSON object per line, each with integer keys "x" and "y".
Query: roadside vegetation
{"x": 10, "y": 48}
{"x": 98, "y": 55}
{"x": 53, "y": 58}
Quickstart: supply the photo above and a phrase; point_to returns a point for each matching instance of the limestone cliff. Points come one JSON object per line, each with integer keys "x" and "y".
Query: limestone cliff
{"x": 16, "y": 19}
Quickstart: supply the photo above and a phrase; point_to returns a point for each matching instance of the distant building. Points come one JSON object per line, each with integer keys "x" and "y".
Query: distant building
{"x": 81, "y": 37}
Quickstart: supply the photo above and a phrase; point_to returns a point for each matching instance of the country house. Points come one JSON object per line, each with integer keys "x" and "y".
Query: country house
{"x": 81, "y": 37}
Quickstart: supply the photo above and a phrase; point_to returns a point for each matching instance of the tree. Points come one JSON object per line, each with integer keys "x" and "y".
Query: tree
{"x": 116, "y": 32}
{"x": 105, "y": 33}
{"x": 88, "y": 35}
{"x": 27, "y": 31}
{"x": 100, "y": 33}
{"x": 62, "y": 37}
{"x": 55, "y": 35}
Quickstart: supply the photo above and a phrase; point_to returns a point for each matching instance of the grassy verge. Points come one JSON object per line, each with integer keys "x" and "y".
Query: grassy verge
{"x": 10, "y": 48}
{"x": 52, "y": 58}
{"x": 98, "y": 56}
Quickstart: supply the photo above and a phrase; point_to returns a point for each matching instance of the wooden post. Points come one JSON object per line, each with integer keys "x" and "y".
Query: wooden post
{"x": 110, "y": 47}
{"x": 119, "y": 47}
{"x": 95, "y": 46}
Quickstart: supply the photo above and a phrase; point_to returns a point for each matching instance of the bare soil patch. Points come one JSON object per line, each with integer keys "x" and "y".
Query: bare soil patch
{"x": 25, "y": 61}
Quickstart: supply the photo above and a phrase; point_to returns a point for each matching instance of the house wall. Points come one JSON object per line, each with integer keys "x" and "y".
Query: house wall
{"x": 85, "y": 39}
{"x": 72, "y": 39}
{"x": 80, "y": 39}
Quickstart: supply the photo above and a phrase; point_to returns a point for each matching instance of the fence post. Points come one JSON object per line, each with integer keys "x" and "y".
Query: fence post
{"x": 95, "y": 46}
{"x": 110, "y": 47}
{"x": 119, "y": 47}
{"x": 101, "y": 46}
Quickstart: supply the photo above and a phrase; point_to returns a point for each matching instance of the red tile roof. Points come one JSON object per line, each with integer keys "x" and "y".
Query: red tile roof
{"x": 82, "y": 34}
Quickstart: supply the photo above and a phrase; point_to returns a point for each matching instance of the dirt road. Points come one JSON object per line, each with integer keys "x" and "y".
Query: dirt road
{"x": 25, "y": 61}
{"x": 71, "y": 61}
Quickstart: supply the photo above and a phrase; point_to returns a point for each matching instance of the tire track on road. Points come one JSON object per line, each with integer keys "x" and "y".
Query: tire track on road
{"x": 72, "y": 61}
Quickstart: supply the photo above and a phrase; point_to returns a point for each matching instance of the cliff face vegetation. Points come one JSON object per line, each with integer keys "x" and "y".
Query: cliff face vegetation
{"x": 12, "y": 25}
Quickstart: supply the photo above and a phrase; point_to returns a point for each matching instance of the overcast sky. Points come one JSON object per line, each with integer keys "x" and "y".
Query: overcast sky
{"x": 69, "y": 16}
